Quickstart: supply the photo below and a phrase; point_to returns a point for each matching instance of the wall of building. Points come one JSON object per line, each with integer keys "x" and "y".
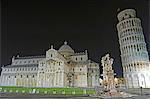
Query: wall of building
{"x": 22, "y": 76}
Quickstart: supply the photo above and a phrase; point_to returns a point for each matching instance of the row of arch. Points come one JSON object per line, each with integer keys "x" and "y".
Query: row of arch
{"x": 133, "y": 56}
{"x": 129, "y": 23}
{"x": 51, "y": 62}
{"x": 130, "y": 31}
{"x": 133, "y": 48}
{"x": 79, "y": 58}
{"x": 137, "y": 80}
{"x": 19, "y": 76}
{"x": 20, "y": 69}
{"x": 136, "y": 66}
{"x": 132, "y": 39}
{"x": 133, "y": 82}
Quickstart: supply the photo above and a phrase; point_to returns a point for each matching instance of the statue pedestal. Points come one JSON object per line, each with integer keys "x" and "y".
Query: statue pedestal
{"x": 112, "y": 94}
{"x": 113, "y": 91}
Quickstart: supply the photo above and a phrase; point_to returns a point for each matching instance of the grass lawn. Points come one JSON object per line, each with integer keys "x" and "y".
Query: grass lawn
{"x": 146, "y": 88}
{"x": 57, "y": 91}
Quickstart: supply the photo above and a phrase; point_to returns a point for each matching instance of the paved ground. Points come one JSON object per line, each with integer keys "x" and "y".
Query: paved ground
{"x": 145, "y": 95}
{"x": 139, "y": 91}
{"x": 15, "y": 96}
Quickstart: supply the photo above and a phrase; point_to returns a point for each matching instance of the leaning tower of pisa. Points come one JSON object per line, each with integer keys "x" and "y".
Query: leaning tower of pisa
{"x": 134, "y": 55}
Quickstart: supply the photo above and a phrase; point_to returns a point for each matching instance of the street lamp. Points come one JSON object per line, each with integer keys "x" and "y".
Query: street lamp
{"x": 100, "y": 81}
{"x": 116, "y": 81}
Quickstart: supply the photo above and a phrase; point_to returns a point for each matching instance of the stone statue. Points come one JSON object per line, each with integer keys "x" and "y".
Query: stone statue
{"x": 108, "y": 73}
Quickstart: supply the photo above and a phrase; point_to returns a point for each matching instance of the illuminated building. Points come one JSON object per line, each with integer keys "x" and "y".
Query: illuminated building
{"x": 134, "y": 54}
{"x": 58, "y": 68}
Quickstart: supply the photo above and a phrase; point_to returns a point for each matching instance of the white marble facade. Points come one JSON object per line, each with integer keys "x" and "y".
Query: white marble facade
{"x": 58, "y": 68}
{"x": 134, "y": 54}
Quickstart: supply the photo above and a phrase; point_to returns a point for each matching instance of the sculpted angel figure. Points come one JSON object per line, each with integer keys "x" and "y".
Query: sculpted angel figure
{"x": 107, "y": 63}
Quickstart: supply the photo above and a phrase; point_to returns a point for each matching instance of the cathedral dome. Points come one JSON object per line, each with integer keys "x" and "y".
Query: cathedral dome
{"x": 66, "y": 49}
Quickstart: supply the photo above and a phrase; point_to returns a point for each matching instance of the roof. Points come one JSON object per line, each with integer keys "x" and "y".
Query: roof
{"x": 81, "y": 63}
{"x": 78, "y": 54}
{"x": 66, "y": 48}
{"x": 30, "y": 57}
{"x": 84, "y": 62}
{"x": 14, "y": 66}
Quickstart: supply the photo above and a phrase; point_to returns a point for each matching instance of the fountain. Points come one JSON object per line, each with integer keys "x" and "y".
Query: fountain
{"x": 108, "y": 89}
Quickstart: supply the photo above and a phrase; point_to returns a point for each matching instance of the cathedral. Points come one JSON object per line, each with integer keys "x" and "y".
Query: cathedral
{"x": 58, "y": 68}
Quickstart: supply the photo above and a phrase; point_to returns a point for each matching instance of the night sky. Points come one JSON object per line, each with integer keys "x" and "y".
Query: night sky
{"x": 30, "y": 27}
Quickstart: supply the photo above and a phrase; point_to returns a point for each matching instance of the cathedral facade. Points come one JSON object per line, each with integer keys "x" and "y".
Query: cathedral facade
{"x": 58, "y": 68}
{"x": 134, "y": 54}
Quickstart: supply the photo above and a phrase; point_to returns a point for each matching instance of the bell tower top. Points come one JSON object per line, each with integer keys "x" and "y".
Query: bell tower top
{"x": 125, "y": 14}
